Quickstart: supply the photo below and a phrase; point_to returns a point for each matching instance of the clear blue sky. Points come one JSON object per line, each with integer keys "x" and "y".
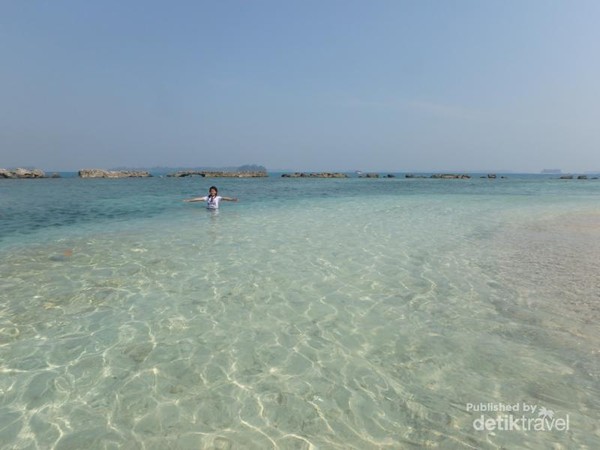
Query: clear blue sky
{"x": 306, "y": 85}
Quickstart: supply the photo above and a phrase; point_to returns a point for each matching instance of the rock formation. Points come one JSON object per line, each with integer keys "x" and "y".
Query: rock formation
{"x": 315, "y": 175}
{"x": 101, "y": 173}
{"x": 451, "y": 176}
{"x": 217, "y": 174}
{"x": 186, "y": 173}
{"x": 22, "y": 173}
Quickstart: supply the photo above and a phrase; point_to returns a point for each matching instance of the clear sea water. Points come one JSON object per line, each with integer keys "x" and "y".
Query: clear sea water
{"x": 313, "y": 314}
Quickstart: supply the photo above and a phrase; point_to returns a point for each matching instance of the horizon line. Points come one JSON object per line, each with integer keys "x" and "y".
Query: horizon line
{"x": 394, "y": 171}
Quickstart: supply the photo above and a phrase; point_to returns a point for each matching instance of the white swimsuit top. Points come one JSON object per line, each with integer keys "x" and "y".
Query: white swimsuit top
{"x": 213, "y": 202}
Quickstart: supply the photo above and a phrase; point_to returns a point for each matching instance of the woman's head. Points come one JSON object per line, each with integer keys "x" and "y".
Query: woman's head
{"x": 213, "y": 191}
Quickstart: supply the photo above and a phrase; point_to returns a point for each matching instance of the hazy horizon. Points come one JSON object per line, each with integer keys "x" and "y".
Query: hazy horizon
{"x": 331, "y": 170}
{"x": 313, "y": 86}
{"x": 326, "y": 169}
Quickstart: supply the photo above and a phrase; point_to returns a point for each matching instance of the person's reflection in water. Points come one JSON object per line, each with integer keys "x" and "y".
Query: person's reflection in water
{"x": 213, "y": 229}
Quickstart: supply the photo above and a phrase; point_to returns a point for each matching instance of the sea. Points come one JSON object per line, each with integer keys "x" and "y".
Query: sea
{"x": 358, "y": 313}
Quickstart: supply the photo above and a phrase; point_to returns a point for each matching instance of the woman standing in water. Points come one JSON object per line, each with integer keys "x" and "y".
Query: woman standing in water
{"x": 212, "y": 199}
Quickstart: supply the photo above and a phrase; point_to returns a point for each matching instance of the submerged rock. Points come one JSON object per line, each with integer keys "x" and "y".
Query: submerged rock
{"x": 101, "y": 173}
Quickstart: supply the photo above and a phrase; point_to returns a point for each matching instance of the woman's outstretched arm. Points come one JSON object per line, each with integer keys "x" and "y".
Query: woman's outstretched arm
{"x": 196, "y": 199}
{"x": 229, "y": 199}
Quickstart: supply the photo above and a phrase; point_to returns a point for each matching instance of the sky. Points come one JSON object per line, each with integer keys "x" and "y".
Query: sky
{"x": 301, "y": 85}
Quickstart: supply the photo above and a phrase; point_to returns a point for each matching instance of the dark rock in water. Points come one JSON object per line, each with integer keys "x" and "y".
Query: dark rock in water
{"x": 370, "y": 175}
{"x": 22, "y": 173}
{"x": 390, "y": 175}
{"x": 451, "y": 176}
{"x": 315, "y": 175}
{"x": 595, "y": 178}
{"x": 503, "y": 177}
{"x": 566, "y": 177}
{"x": 66, "y": 254}
{"x": 139, "y": 352}
{"x": 582, "y": 177}
{"x": 101, "y": 173}
{"x": 491, "y": 175}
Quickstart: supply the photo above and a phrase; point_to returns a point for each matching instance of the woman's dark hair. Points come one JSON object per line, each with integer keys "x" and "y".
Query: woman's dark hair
{"x": 213, "y": 187}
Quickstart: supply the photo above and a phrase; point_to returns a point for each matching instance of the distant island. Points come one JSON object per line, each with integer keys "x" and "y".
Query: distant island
{"x": 551, "y": 171}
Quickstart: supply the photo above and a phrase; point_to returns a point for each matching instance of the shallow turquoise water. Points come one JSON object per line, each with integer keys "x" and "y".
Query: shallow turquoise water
{"x": 312, "y": 314}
